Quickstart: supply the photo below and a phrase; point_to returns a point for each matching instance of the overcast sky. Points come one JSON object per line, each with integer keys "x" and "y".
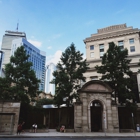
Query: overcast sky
{"x": 52, "y": 25}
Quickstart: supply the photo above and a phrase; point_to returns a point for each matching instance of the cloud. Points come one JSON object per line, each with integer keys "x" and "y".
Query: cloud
{"x": 35, "y": 43}
{"x": 54, "y": 58}
{"x": 84, "y": 56}
{"x": 49, "y": 47}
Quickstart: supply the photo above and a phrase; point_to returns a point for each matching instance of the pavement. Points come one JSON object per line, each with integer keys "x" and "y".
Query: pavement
{"x": 73, "y": 134}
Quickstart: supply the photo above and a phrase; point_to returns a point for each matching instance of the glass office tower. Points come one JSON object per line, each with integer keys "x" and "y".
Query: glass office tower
{"x": 50, "y": 88}
{"x": 37, "y": 57}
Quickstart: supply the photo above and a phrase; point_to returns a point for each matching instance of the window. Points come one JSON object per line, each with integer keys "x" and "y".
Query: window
{"x": 132, "y": 48}
{"x": 121, "y": 45}
{"x": 94, "y": 77}
{"x": 131, "y": 41}
{"x": 101, "y": 47}
{"x": 101, "y": 54}
{"x": 92, "y": 54}
{"x": 92, "y": 47}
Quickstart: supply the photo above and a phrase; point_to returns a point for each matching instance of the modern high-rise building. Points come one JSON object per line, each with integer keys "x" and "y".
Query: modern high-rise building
{"x": 37, "y": 57}
{"x": 50, "y": 88}
{"x": 6, "y": 46}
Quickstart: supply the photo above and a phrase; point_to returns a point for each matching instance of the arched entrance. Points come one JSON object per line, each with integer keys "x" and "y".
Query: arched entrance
{"x": 96, "y": 111}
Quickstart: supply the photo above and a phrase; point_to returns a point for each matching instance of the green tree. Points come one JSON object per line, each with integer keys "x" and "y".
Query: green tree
{"x": 69, "y": 72}
{"x": 5, "y": 89}
{"x": 116, "y": 71}
{"x": 18, "y": 74}
{"x": 139, "y": 69}
{"x": 44, "y": 101}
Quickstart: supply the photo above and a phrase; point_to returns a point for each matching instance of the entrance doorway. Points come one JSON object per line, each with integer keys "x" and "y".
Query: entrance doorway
{"x": 96, "y": 110}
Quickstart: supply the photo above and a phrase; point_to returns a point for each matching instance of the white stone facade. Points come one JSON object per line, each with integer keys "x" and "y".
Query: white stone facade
{"x": 119, "y": 34}
{"x": 94, "y": 90}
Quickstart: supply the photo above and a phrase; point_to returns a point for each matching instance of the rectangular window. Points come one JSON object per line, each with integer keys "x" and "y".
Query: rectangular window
{"x": 121, "y": 45}
{"x": 101, "y": 54}
{"x": 92, "y": 47}
{"x": 92, "y": 54}
{"x": 132, "y": 48}
{"x": 101, "y": 47}
{"x": 131, "y": 41}
{"x": 94, "y": 77}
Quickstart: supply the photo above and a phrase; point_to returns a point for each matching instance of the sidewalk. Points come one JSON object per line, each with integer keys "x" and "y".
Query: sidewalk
{"x": 78, "y": 134}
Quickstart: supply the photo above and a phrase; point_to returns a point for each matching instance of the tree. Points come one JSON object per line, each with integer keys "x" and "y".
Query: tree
{"x": 139, "y": 69}
{"x": 116, "y": 71}
{"x": 44, "y": 101}
{"x": 21, "y": 79}
{"x": 69, "y": 72}
{"x": 5, "y": 89}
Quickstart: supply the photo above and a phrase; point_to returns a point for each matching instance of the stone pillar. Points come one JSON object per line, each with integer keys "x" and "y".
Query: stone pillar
{"x": 85, "y": 113}
{"x": 109, "y": 114}
{"x": 115, "y": 119}
{"x": 78, "y": 117}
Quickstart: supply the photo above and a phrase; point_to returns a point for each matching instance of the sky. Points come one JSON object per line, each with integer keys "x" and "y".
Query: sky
{"x": 53, "y": 25}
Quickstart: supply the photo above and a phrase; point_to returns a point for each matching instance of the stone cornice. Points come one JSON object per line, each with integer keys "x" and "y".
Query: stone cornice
{"x": 131, "y": 65}
{"x": 112, "y": 35}
{"x": 112, "y": 28}
{"x": 99, "y": 59}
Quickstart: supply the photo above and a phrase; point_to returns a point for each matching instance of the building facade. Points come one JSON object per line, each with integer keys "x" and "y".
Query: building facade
{"x": 98, "y": 44}
{"x": 121, "y": 35}
{"x": 50, "y": 88}
{"x": 37, "y": 57}
{"x": 96, "y": 112}
{"x": 6, "y": 46}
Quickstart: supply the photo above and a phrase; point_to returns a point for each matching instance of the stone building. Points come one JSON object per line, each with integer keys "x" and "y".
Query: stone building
{"x": 9, "y": 117}
{"x": 96, "y": 112}
{"x": 97, "y": 45}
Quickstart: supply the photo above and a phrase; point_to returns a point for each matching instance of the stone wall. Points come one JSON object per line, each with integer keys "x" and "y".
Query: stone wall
{"x": 99, "y": 92}
{"x": 9, "y": 116}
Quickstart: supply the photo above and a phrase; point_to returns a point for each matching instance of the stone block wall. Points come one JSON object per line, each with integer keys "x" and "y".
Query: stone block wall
{"x": 9, "y": 116}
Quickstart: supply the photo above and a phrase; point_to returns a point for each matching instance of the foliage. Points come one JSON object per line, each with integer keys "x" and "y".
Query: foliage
{"x": 21, "y": 82}
{"x": 116, "y": 71}
{"x": 44, "y": 101}
{"x": 139, "y": 69}
{"x": 131, "y": 106}
{"x": 69, "y": 72}
{"x": 5, "y": 90}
